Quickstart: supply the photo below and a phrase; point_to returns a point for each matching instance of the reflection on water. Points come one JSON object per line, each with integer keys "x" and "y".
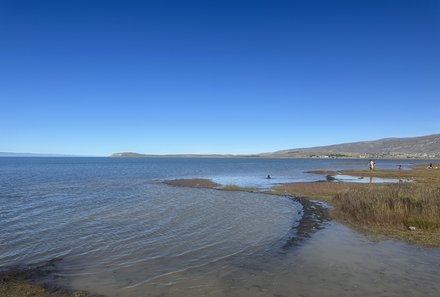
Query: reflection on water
{"x": 120, "y": 232}
{"x": 254, "y": 181}
{"x": 367, "y": 179}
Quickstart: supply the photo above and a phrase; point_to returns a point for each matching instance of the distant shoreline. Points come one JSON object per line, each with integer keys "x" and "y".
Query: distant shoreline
{"x": 271, "y": 157}
{"x": 177, "y": 156}
{"x": 421, "y": 147}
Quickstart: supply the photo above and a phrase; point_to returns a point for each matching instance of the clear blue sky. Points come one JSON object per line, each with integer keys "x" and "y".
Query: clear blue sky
{"x": 97, "y": 77}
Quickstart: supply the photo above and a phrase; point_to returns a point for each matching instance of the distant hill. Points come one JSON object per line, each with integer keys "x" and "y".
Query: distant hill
{"x": 9, "y": 154}
{"x": 137, "y": 155}
{"x": 427, "y": 147}
{"x": 409, "y": 147}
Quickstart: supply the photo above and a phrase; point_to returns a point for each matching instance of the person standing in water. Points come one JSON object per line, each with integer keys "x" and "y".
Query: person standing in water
{"x": 371, "y": 164}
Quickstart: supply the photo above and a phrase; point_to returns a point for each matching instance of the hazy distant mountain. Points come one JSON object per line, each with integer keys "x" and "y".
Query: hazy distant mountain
{"x": 138, "y": 155}
{"x": 417, "y": 147}
{"x": 8, "y": 154}
{"x": 409, "y": 147}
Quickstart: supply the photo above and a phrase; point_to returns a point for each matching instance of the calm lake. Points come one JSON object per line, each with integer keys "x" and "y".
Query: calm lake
{"x": 119, "y": 231}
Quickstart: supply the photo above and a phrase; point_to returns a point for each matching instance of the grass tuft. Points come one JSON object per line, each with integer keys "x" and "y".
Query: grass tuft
{"x": 192, "y": 182}
{"x": 401, "y": 205}
{"x": 232, "y": 187}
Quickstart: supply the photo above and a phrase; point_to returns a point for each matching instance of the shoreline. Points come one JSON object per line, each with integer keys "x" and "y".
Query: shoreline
{"x": 408, "y": 211}
{"x": 436, "y": 159}
{"x": 314, "y": 198}
{"x": 314, "y": 213}
{"x": 33, "y": 280}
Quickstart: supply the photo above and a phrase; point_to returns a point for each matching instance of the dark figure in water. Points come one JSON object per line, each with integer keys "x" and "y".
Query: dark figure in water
{"x": 400, "y": 167}
{"x": 268, "y": 176}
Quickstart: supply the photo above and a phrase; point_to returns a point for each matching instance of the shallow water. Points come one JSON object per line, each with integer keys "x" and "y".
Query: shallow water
{"x": 366, "y": 179}
{"x": 120, "y": 232}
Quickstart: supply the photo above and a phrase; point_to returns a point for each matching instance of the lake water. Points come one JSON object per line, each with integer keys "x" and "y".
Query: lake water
{"x": 119, "y": 231}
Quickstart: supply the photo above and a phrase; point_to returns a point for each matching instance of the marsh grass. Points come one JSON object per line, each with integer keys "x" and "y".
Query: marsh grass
{"x": 207, "y": 183}
{"x": 232, "y": 187}
{"x": 380, "y": 209}
{"x": 402, "y": 205}
{"x": 193, "y": 182}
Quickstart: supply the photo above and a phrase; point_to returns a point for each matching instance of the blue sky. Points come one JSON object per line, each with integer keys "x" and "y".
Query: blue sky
{"x": 97, "y": 77}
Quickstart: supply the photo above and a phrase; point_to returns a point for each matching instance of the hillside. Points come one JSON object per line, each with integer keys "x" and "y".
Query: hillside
{"x": 138, "y": 155}
{"x": 408, "y": 147}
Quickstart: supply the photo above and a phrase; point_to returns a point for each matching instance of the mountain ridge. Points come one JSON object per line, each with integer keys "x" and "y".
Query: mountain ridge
{"x": 424, "y": 147}
{"x": 427, "y": 146}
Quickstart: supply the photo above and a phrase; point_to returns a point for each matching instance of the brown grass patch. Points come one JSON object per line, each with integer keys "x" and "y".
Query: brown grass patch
{"x": 233, "y": 187}
{"x": 193, "y": 182}
{"x": 320, "y": 190}
{"x": 401, "y": 205}
{"x": 388, "y": 209}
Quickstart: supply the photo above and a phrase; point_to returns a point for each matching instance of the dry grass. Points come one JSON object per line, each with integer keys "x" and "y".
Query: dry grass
{"x": 207, "y": 183}
{"x": 393, "y": 204}
{"x": 392, "y": 209}
{"x": 193, "y": 182}
{"x": 388, "y": 209}
{"x": 320, "y": 190}
{"x": 233, "y": 187}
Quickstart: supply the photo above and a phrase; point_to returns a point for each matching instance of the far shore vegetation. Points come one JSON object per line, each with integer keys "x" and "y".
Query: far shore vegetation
{"x": 405, "y": 210}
